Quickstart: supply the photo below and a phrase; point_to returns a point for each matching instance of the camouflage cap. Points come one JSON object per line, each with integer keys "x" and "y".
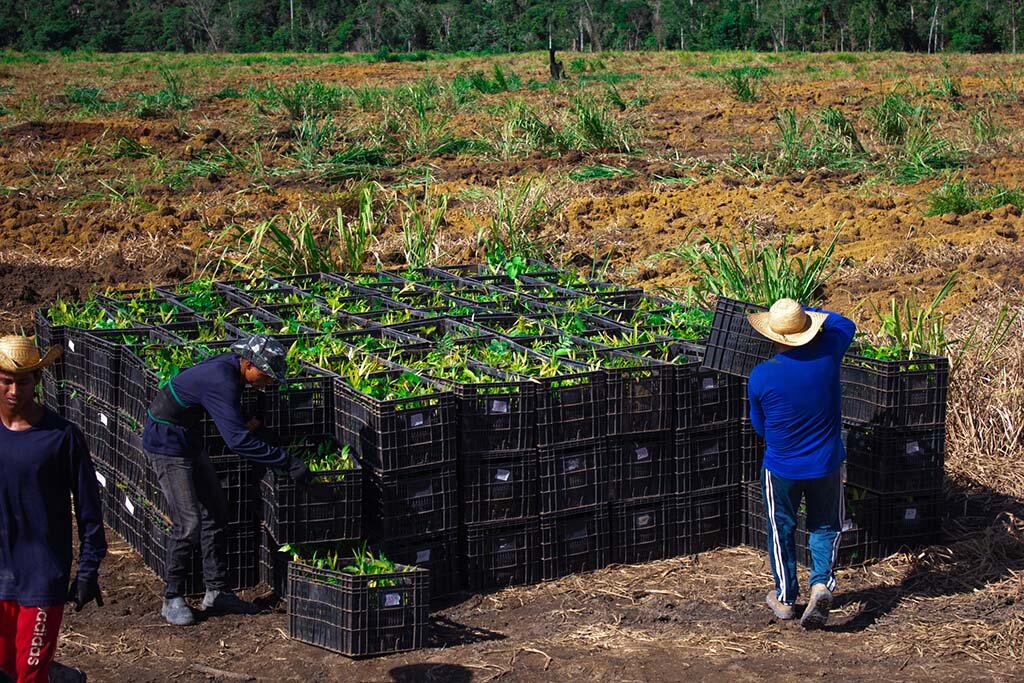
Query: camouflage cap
{"x": 265, "y": 352}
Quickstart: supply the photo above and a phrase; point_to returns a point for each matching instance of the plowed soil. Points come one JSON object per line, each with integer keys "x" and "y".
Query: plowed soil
{"x": 98, "y": 197}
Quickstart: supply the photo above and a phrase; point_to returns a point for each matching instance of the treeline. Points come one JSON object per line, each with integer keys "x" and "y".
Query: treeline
{"x": 509, "y": 25}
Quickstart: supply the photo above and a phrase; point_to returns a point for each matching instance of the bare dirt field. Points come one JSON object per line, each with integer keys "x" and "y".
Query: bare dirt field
{"x": 126, "y": 169}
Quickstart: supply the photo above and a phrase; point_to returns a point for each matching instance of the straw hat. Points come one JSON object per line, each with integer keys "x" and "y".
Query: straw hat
{"x": 786, "y": 322}
{"x": 19, "y": 354}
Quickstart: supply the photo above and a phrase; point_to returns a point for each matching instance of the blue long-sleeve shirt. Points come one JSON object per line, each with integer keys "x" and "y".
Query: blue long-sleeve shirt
{"x": 216, "y": 385}
{"x": 41, "y": 468}
{"x": 796, "y": 404}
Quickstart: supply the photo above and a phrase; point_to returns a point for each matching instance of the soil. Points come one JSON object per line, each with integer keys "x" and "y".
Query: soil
{"x": 88, "y": 200}
{"x": 700, "y": 618}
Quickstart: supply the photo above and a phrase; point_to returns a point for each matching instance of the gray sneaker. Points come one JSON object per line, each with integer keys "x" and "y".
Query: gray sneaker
{"x": 820, "y": 602}
{"x": 781, "y": 610}
{"x": 60, "y": 673}
{"x": 226, "y": 602}
{"x": 177, "y": 612}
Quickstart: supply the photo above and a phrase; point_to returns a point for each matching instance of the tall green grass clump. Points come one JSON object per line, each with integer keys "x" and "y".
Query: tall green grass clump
{"x": 752, "y": 270}
{"x": 985, "y": 126}
{"x": 421, "y": 223}
{"x": 960, "y": 197}
{"x": 307, "y": 99}
{"x": 520, "y": 211}
{"x": 90, "y": 100}
{"x": 742, "y": 82}
{"x": 825, "y": 139}
{"x": 594, "y": 127}
{"x": 893, "y": 116}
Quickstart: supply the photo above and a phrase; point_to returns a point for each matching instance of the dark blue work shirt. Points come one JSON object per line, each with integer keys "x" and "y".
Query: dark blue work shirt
{"x": 216, "y": 385}
{"x": 41, "y": 468}
{"x": 796, "y": 404}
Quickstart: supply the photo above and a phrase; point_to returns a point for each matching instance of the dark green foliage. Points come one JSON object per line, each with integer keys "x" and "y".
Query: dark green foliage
{"x": 418, "y": 30}
{"x": 960, "y": 197}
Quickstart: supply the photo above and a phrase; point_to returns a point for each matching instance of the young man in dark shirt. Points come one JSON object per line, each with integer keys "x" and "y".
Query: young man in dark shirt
{"x": 795, "y": 405}
{"x": 172, "y": 438}
{"x": 44, "y": 461}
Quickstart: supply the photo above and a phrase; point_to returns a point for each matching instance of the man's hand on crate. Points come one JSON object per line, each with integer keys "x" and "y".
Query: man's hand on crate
{"x": 299, "y": 472}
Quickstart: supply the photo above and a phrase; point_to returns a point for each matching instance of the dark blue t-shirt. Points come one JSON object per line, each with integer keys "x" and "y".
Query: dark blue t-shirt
{"x": 796, "y": 404}
{"x": 41, "y": 468}
{"x": 216, "y": 385}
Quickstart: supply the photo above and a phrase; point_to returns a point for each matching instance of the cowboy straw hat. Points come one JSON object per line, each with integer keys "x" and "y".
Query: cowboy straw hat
{"x": 786, "y": 322}
{"x": 19, "y": 354}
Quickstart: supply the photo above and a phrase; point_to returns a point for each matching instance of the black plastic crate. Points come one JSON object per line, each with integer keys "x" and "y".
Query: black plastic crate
{"x": 239, "y": 480}
{"x": 640, "y": 466}
{"x": 708, "y": 457}
{"x": 329, "y": 509}
{"x": 97, "y": 356}
{"x": 154, "y": 552}
{"x": 641, "y": 530}
{"x": 47, "y": 335}
{"x": 708, "y": 519}
{"x": 411, "y": 504}
{"x": 130, "y": 461}
{"x": 394, "y": 435}
{"x": 502, "y": 554}
{"x": 99, "y": 424}
{"x": 574, "y": 542}
{"x": 498, "y": 487}
{"x": 273, "y": 564}
{"x": 128, "y": 512}
{"x": 734, "y": 347}
{"x": 640, "y": 399}
{"x": 301, "y": 406}
{"x": 755, "y": 524}
{"x": 909, "y": 520}
{"x": 751, "y": 452}
{"x": 702, "y": 396}
{"x": 439, "y": 554}
{"x": 573, "y": 478}
{"x": 895, "y": 459}
{"x": 359, "y": 615}
{"x": 571, "y": 409}
{"x": 52, "y": 390}
{"x": 495, "y": 416}
{"x": 903, "y": 393}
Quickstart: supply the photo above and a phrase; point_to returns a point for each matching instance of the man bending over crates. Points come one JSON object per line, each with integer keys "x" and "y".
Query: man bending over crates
{"x": 44, "y": 461}
{"x": 173, "y": 440}
{"x": 795, "y": 405}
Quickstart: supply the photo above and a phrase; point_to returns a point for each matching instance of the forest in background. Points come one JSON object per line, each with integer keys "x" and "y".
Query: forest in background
{"x": 411, "y": 26}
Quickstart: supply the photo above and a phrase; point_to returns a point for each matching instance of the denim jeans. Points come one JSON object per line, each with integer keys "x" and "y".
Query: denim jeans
{"x": 825, "y": 512}
{"x": 199, "y": 512}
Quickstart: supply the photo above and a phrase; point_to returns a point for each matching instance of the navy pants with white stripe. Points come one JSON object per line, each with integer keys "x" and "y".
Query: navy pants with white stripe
{"x": 825, "y": 513}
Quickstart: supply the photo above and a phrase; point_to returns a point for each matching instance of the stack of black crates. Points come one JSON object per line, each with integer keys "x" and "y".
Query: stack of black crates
{"x": 642, "y": 453}
{"x": 894, "y": 414}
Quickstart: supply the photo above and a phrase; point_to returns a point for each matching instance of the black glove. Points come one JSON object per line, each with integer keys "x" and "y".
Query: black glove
{"x": 299, "y": 472}
{"x": 84, "y": 591}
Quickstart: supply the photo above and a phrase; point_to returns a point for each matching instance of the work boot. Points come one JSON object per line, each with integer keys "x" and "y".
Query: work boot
{"x": 177, "y": 612}
{"x": 60, "y": 673}
{"x": 818, "y": 606}
{"x": 782, "y": 611}
{"x": 226, "y": 602}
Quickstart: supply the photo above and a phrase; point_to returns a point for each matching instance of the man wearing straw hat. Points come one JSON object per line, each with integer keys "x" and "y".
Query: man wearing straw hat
{"x": 172, "y": 440}
{"x": 795, "y": 405}
{"x": 44, "y": 461}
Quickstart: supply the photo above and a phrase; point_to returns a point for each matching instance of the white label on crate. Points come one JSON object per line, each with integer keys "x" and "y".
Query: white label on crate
{"x": 392, "y": 599}
{"x": 129, "y": 505}
{"x": 643, "y": 520}
{"x": 422, "y": 556}
{"x": 424, "y": 492}
{"x": 642, "y": 454}
{"x": 103, "y": 420}
{"x": 505, "y": 545}
{"x": 573, "y": 464}
{"x": 910, "y": 514}
{"x": 913, "y": 448}
{"x": 71, "y": 345}
{"x": 848, "y": 525}
{"x": 709, "y": 383}
{"x": 101, "y": 479}
{"x": 502, "y": 475}
{"x": 499, "y": 406}
{"x": 417, "y": 420}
